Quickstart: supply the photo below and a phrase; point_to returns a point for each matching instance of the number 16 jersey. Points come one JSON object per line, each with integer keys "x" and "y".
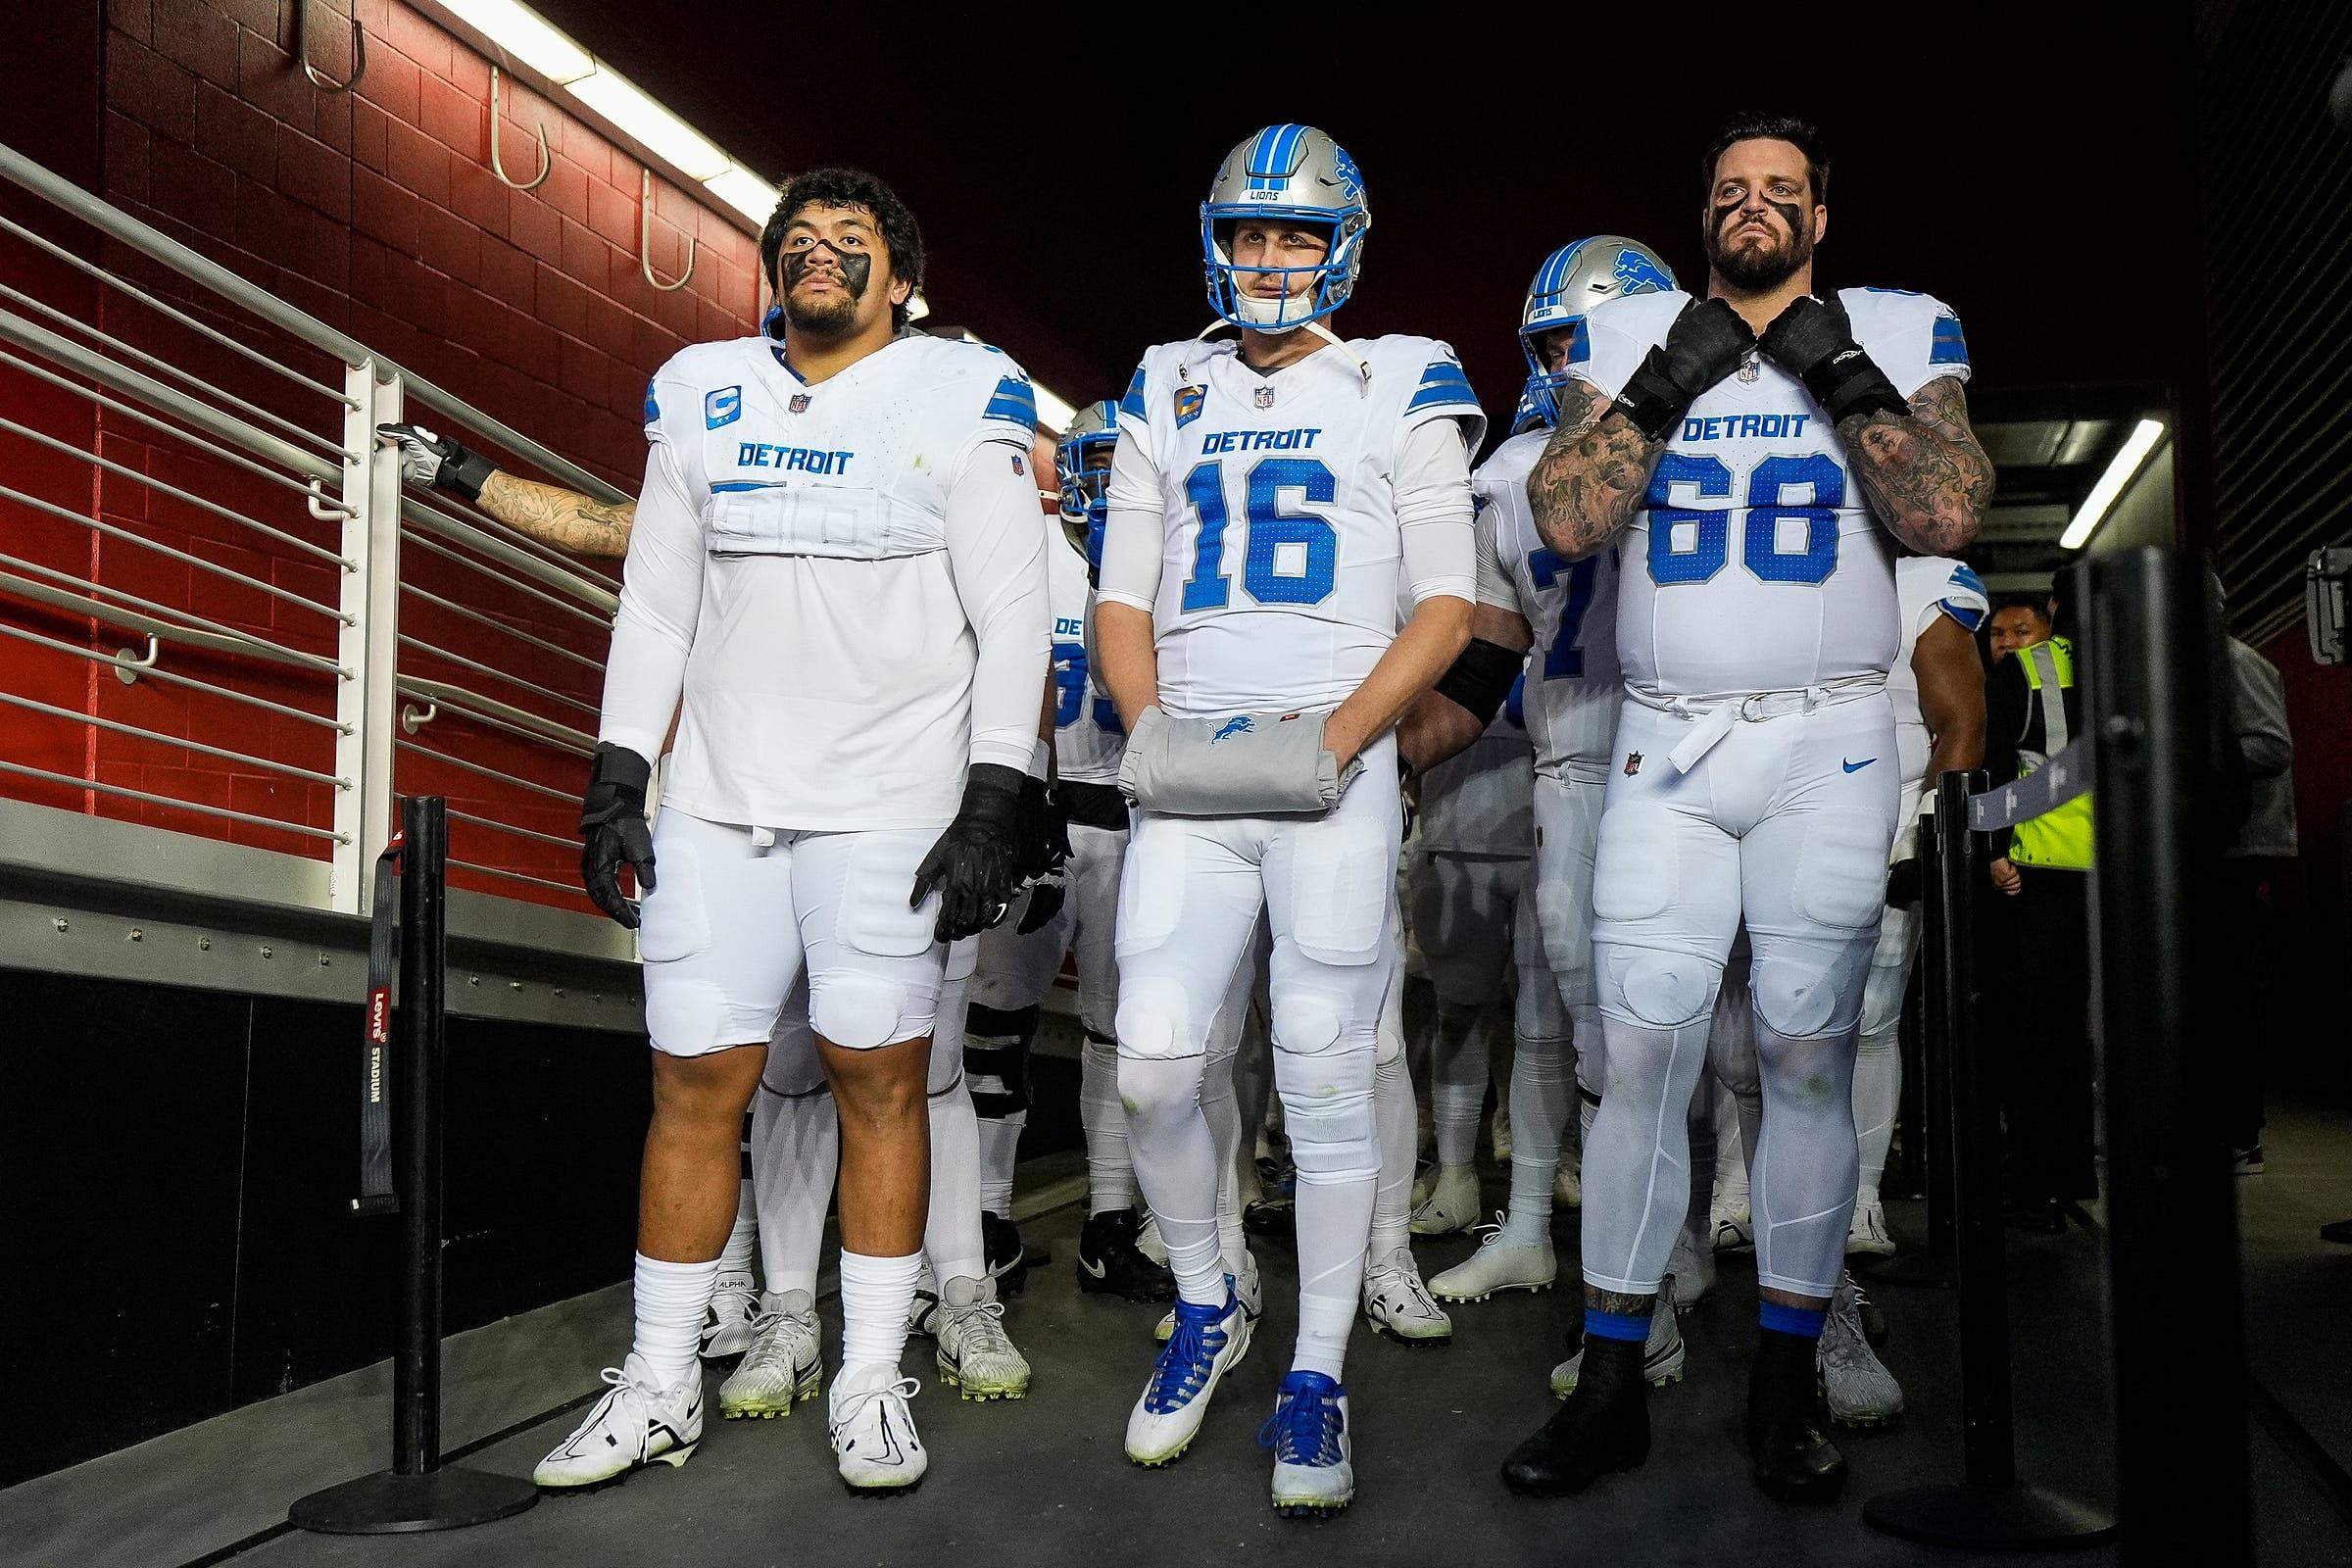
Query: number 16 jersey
{"x": 1281, "y": 548}
{"x": 1755, "y": 563}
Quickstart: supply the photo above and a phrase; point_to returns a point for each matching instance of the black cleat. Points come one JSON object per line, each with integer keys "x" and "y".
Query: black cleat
{"x": 1602, "y": 1427}
{"x": 1008, "y": 1261}
{"x": 1796, "y": 1460}
{"x": 1109, "y": 1261}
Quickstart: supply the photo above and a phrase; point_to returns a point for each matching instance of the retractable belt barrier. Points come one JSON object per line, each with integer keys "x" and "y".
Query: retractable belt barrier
{"x": 377, "y": 1196}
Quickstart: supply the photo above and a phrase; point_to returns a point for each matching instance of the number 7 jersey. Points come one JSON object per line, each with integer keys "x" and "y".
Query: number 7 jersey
{"x": 1755, "y": 563}
{"x": 1281, "y": 549}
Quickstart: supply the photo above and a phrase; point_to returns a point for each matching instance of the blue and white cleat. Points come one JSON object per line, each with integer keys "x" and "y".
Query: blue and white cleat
{"x": 1207, "y": 1343}
{"x": 1313, "y": 1473}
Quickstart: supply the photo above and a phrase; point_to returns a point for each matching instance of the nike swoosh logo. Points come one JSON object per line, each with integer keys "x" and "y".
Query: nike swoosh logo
{"x": 1098, "y": 1270}
{"x": 1856, "y": 767}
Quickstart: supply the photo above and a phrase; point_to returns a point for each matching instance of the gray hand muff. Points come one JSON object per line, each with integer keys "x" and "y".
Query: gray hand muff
{"x": 1238, "y": 764}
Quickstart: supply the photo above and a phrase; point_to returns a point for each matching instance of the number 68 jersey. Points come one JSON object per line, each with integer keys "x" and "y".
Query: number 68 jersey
{"x": 1281, "y": 549}
{"x": 1755, "y": 563}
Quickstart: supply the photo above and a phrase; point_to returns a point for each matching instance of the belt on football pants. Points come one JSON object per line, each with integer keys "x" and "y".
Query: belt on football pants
{"x": 1715, "y": 715}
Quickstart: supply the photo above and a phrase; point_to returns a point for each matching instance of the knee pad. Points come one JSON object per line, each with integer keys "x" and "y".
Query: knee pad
{"x": 995, "y": 1058}
{"x": 1306, "y": 1025}
{"x": 856, "y": 1012}
{"x": 1156, "y": 1020}
{"x": 683, "y": 1017}
{"x": 1805, "y": 990}
{"x": 1654, "y": 986}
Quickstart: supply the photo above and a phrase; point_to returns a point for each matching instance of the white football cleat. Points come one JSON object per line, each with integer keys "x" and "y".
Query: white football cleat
{"x": 874, "y": 1441}
{"x": 784, "y": 1365}
{"x": 1568, "y": 1185}
{"x": 1689, "y": 1272}
{"x": 1208, "y": 1342}
{"x": 1314, "y": 1473}
{"x": 975, "y": 1355}
{"x": 1734, "y": 1227}
{"x": 1854, "y": 1383}
{"x": 1866, "y": 1235}
{"x": 1499, "y": 1264}
{"x": 727, "y": 1323}
{"x": 1663, "y": 1354}
{"x": 1247, "y": 1288}
{"x": 1395, "y": 1301}
{"x": 635, "y": 1424}
{"x": 1451, "y": 1205}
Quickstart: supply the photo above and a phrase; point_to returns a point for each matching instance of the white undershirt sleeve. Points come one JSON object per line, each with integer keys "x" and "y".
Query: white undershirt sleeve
{"x": 1133, "y": 536}
{"x": 660, "y": 596}
{"x": 997, "y": 552}
{"x": 1434, "y": 510}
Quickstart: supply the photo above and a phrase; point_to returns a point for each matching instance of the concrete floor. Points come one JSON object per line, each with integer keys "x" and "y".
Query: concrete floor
{"x": 1042, "y": 1480}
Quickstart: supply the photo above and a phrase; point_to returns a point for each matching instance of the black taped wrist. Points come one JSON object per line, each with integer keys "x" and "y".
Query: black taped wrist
{"x": 1652, "y": 401}
{"x": 617, "y": 779}
{"x": 992, "y": 792}
{"x": 1480, "y": 678}
{"x": 464, "y": 472}
{"x": 1850, "y": 383}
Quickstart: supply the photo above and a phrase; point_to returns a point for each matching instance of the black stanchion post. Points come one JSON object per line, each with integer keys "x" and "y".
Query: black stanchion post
{"x": 1937, "y": 1268}
{"x": 1991, "y": 1510}
{"x": 418, "y": 1493}
{"x": 2179, "y": 1396}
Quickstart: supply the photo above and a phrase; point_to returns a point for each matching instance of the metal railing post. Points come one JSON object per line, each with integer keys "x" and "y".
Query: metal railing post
{"x": 367, "y": 698}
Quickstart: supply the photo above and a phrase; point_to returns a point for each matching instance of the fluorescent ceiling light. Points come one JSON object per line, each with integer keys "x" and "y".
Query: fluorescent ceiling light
{"x": 620, "y": 101}
{"x": 523, "y": 34}
{"x": 1052, "y": 412}
{"x": 2127, "y": 462}
{"x": 755, "y": 198}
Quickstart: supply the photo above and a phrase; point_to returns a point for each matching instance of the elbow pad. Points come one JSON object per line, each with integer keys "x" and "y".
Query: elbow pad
{"x": 1480, "y": 678}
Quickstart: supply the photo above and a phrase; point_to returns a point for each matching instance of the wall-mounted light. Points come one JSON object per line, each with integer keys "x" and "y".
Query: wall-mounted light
{"x": 2128, "y": 462}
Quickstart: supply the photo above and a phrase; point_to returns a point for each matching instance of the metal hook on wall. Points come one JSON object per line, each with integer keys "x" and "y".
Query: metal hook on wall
{"x": 302, "y": 51}
{"x": 547, "y": 164}
{"x": 645, "y": 236}
{"x": 127, "y": 664}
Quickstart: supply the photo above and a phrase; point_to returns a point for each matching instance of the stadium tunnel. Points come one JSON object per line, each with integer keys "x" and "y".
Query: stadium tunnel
{"x": 237, "y": 234}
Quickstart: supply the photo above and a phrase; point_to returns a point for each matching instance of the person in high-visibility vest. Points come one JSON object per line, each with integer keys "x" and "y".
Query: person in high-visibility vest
{"x": 2032, "y": 709}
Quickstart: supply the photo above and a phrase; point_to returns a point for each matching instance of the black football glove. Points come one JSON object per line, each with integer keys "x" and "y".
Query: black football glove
{"x": 1815, "y": 343}
{"x": 433, "y": 459}
{"x": 975, "y": 866}
{"x": 1706, "y": 344}
{"x": 1044, "y": 848}
{"x": 1904, "y": 885}
{"x": 612, "y": 821}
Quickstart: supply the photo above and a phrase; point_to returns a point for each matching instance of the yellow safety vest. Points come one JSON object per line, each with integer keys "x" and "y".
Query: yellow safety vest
{"x": 2060, "y": 839}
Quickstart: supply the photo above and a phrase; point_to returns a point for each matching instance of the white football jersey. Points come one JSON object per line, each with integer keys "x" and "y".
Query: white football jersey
{"x": 1755, "y": 563}
{"x": 1926, "y": 587}
{"x": 829, "y": 681}
{"x": 1281, "y": 549}
{"x": 1572, "y": 685}
{"x": 1088, "y": 739}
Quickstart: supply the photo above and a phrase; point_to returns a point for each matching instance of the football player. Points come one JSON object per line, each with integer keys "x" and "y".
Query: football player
{"x": 836, "y": 582}
{"x": 1268, "y": 495}
{"x": 1569, "y": 691}
{"x": 1755, "y": 457}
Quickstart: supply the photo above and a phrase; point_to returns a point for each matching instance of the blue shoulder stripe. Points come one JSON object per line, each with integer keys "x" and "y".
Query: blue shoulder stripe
{"x": 1442, "y": 370}
{"x": 1133, "y": 402}
{"x": 1965, "y": 576}
{"x": 1968, "y": 615}
{"x": 1949, "y": 346}
{"x": 653, "y": 408}
{"x": 1014, "y": 402}
{"x": 1443, "y": 394}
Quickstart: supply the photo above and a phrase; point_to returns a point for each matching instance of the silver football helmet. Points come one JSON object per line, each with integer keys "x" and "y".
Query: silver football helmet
{"x": 1570, "y": 281}
{"x": 1082, "y": 465}
{"x": 1293, "y": 171}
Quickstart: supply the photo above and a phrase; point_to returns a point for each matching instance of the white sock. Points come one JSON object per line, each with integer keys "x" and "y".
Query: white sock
{"x": 1457, "y": 1090}
{"x": 1327, "y": 1101}
{"x": 670, "y": 1301}
{"x": 743, "y": 1239}
{"x": 795, "y": 1155}
{"x": 952, "y": 1228}
{"x": 1542, "y": 1088}
{"x": 1878, "y": 1096}
{"x": 1392, "y": 1117}
{"x": 1000, "y": 1151}
{"x": 875, "y": 1292}
{"x": 1177, "y": 1161}
{"x": 1730, "y": 1153}
{"x": 1109, "y": 1166}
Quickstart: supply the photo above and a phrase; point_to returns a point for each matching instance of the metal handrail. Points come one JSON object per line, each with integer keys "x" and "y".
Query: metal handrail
{"x": 102, "y": 216}
{"x": 198, "y": 631}
{"x": 497, "y": 625}
{"x": 111, "y": 531}
{"x": 73, "y": 782}
{"x": 496, "y": 826}
{"x": 118, "y": 727}
{"x": 148, "y": 671}
{"x": 409, "y": 537}
{"x": 568, "y": 796}
{"x": 480, "y": 668}
{"x": 459, "y": 531}
{"x": 497, "y": 714}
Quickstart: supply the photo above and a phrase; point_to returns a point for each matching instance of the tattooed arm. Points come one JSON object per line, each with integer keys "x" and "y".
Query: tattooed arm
{"x": 1589, "y": 481}
{"x": 564, "y": 519}
{"x": 1923, "y": 469}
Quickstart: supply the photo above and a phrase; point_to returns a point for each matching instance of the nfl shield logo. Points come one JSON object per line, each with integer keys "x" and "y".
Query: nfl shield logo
{"x": 799, "y": 403}
{"x": 1749, "y": 368}
{"x": 1263, "y": 397}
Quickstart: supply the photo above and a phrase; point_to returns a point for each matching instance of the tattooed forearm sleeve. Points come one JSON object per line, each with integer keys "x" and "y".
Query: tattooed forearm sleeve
{"x": 1589, "y": 481}
{"x": 1924, "y": 471}
{"x": 564, "y": 519}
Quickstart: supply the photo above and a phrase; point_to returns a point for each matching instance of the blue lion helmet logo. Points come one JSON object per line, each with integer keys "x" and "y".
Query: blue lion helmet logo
{"x": 1352, "y": 182}
{"x": 1239, "y": 724}
{"x": 1638, "y": 273}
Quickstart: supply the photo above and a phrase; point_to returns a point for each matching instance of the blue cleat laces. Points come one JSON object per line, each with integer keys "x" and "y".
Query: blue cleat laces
{"x": 1183, "y": 1368}
{"x": 1304, "y": 1427}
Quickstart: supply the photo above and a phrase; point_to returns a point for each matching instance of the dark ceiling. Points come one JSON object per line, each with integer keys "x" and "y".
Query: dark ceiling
{"x": 2014, "y": 168}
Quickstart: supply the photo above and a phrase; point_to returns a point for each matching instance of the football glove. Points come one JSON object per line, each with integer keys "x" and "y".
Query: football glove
{"x": 613, "y": 821}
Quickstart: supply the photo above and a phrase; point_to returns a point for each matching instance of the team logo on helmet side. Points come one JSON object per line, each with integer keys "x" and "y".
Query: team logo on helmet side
{"x": 1639, "y": 273}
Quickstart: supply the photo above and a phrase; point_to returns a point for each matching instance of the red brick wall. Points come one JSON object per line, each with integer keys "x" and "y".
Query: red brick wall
{"x": 377, "y": 213}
